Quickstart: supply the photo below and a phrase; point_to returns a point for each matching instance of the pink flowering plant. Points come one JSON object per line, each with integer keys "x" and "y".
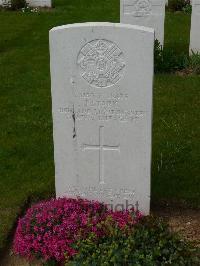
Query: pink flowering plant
{"x": 51, "y": 229}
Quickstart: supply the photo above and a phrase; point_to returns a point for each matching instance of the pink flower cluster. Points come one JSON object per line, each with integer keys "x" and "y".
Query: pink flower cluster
{"x": 50, "y": 228}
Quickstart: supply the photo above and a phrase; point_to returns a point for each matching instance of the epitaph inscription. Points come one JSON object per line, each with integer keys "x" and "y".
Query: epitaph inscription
{"x": 101, "y": 63}
{"x": 100, "y": 192}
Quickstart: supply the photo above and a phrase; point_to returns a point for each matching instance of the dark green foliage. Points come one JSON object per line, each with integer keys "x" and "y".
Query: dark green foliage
{"x": 187, "y": 9}
{"x": 149, "y": 243}
{"x": 18, "y": 4}
{"x": 177, "y": 5}
{"x": 158, "y": 56}
{"x": 194, "y": 63}
{"x": 167, "y": 60}
{"x": 51, "y": 263}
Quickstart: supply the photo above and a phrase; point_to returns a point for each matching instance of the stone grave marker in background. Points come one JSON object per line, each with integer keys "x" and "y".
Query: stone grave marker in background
{"x": 39, "y": 3}
{"x": 5, "y": 3}
{"x": 32, "y": 3}
{"x": 148, "y": 13}
{"x": 195, "y": 27}
{"x": 101, "y": 78}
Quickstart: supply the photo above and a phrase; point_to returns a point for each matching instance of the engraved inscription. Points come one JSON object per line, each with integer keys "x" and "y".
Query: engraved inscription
{"x": 101, "y": 148}
{"x": 138, "y": 8}
{"x": 101, "y": 192}
{"x": 101, "y": 63}
{"x": 95, "y": 106}
{"x": 102, "y": 114}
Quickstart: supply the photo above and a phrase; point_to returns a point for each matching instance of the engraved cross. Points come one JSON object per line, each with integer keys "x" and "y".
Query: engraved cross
{"x": 101, "y": 148}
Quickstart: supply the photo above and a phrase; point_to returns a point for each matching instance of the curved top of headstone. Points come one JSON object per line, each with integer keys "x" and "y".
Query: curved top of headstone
{"x": 102, "y": 24}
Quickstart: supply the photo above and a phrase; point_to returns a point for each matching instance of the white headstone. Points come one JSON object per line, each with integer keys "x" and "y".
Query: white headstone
{"x": 5, "y": 3}
{"x": 39, "y": 3}
{"x": 31, "y": 3}
{"x": 148, "y": 13}
{"x": 195, "y": 27}
{"x": 101, "y": 76}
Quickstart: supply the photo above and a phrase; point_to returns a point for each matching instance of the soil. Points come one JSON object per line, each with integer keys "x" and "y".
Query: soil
{"x": 11, "y": 260}
{"x": 184, "y": 221}
{"x": 185, "y": 72}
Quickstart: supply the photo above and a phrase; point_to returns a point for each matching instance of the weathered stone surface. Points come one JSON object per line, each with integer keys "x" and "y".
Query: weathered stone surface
{"x": 101, "y": 76}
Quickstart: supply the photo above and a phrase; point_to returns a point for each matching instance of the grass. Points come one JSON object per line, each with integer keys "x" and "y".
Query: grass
{"x": 175, "y": 164}
{"x": 177, "y": 32}
{"x": 26, "y": 144}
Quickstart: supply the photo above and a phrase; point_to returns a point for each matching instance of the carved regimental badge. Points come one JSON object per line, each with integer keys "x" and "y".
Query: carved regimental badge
{"x": 142, "y": 8}
{"x": 101, "y": 63}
